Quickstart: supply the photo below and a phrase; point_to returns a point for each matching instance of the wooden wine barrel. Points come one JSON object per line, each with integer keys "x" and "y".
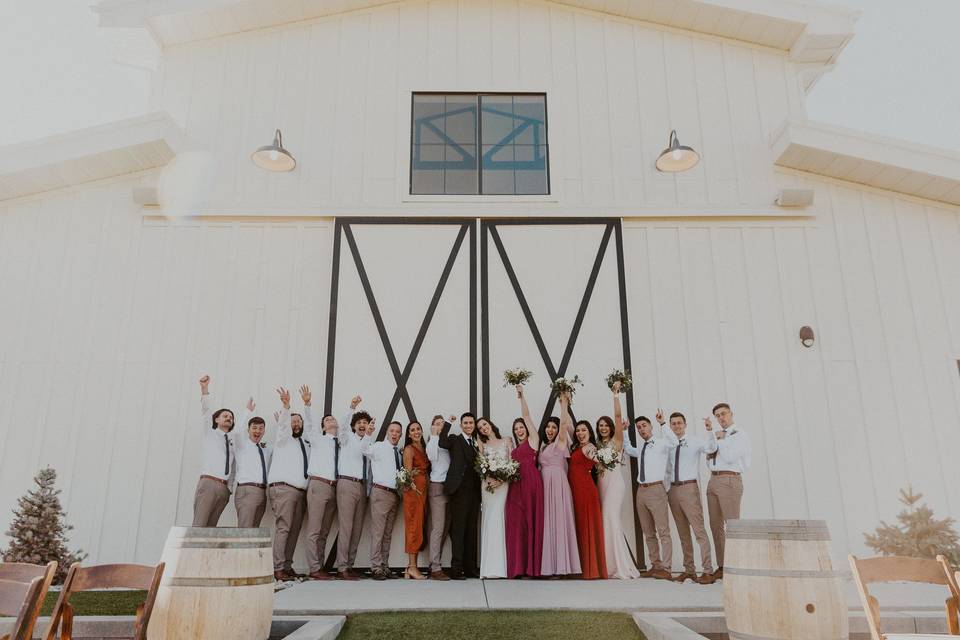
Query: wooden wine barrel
{"x": 779, "y": 582}
{"x": 218, "y": 584}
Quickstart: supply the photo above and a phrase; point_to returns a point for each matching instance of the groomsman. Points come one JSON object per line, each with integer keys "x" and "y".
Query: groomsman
{"x": 438, "y": 508}
{"x": 213, "y": 493}
{"x": 684, "y": 498}
{"x": 729, "y": 459}
{"x": 462, "y": 485}
{"x": 253, "y": 460}
{"x": 651, "y": 498}
{"x": 351, "y": 494}
{"x": 322, "y": 484}
{"x": 288, "y": 487}
{"x": 385, "y": 460}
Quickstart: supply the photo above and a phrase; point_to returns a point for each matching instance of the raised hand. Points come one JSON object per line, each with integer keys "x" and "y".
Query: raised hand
{"x": 305, "y": 395}
{"x": 355, "y": 402}
{"x": 519, "y": 390}
{"x": 435, "y": 428}
{"x": 251, "y": 405}
{"x": 451, "y": 419}
{"x": 284, "y": 397}
{"x": 204, "y": 384}
{"x": 660, "y": 416}
{"x": 276, "y": 416}
{"x": 590, "y": 451}
{"x": 707, "y": 424}
{"x": 616, "y": 388}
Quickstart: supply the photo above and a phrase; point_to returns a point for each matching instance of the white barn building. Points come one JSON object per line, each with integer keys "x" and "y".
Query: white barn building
{"x": 394, "y": 264}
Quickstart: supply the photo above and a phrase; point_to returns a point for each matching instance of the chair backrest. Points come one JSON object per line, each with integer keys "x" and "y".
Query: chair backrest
{"x": 106, "y": 576}
{"x": 19, "y": 600}
{"x": 953, "y": 617}
{"x": 23, "y": 572}
{"x": 893, "y": 569}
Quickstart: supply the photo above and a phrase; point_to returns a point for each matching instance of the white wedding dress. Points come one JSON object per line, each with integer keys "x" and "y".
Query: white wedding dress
{"x": 493, "y": 542}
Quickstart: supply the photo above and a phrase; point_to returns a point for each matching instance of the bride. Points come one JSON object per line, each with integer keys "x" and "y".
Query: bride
{"x": 493, "y": 544}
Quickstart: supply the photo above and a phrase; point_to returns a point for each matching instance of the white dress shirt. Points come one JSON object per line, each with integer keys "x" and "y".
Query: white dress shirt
{"x": 249, "y": 467}
{"x": 385, "y": 460}
{"x": 218, "y": 447}
{"x": 653, "y": 461}
{"x": 733, "y": 451}
{"x": 439, "y": 459}
{"x": 351, "y": 453}
{"x": 323, "y": 448}
{"x": 691, "y": 450}
{"x": 288, "y": 454}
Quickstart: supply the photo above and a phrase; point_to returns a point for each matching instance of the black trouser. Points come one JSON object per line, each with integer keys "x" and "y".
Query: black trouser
{"x": 464, "y": 508}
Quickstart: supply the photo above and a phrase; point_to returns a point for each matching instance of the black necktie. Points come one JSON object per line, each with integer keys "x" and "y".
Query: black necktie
{"x": 396, "y": 458}
{"x": 676, "y": 464}
{"x": 226, "y": 447}
{"x": 365, "y": 475}
{"x": 336, "y": 458}
{"x": 303, "y": 450}
{"x": 263, "y": 464}
{"x": 643, "y": 453}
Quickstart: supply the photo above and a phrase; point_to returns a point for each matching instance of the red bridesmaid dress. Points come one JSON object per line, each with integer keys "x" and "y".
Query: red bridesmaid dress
{"x": 588, "y": 517}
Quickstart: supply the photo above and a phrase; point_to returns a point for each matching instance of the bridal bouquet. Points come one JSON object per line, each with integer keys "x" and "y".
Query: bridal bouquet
{"x": 623, "y": 377}
{"x": 513, "y": 377}
{"x": 607, "y": 459}
{"x": 563, "y": 385}
{"x": 497, "y": 466}
{"x": 405, "y": 480}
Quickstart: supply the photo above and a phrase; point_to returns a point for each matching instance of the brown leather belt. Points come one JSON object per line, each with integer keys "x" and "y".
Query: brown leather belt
{"x": 644, "y": 485}
{"x": 385, "y": 488}
{"x": 682, "y": 482}
{"x": 351, "y": 478}
{"x": 725, "y": 473}
{"x": 332, "y": 483}
{"x": 252, "y": 484}
{"x": 285, "y": 484}
{"x": 215, "y": 479}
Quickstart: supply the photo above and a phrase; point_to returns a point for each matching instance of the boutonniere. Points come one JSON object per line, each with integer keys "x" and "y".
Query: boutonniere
{"x": 263, "y": 445}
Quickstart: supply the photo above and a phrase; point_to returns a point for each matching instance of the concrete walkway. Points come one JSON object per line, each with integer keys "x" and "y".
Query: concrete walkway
{"x": 337, "y": 597}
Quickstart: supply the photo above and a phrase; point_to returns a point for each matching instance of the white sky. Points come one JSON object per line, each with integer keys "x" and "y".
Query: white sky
{"x": 900, "y": 76}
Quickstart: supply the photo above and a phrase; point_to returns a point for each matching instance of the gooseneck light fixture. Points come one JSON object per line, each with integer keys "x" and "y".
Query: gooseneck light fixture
{"x": 677, "y": 157}
{"x": 274, "y": 157}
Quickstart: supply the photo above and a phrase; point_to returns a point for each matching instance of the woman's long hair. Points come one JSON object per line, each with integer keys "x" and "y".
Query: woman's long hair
{"x": 609, "y": 421}
{"x": 544, "y": 441}
{"x": 576, "y": 441}
{"x": 493, "y": 428}
{"x": 407, "y": 440}
{"x": 513, "y": 430}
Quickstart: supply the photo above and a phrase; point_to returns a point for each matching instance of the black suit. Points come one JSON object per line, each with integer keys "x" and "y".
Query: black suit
{"x": 463, "y": 487}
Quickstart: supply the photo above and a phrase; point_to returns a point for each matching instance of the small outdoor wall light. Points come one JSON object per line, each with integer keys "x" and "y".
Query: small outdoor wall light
{"x": 274, "y": 157}
{"x": 677, "y": 157}
{"x": 806, "y": 336}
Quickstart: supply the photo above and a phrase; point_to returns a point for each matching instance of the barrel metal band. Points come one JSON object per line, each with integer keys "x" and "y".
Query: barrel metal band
{"x": 222, "y": 544}
{"x": 781, "y": 573}
{"x": 216, "y": 582}
{"x": 777, "y": 535}
{"x": 736, "y": 635}
{"x": 219, "y": 532}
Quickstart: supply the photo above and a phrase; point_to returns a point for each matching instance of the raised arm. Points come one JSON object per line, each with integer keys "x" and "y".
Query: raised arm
{"x": 242, "y": 440}
{"x": 566, "y": 424}
{"x": 710, "y": 446}
{"x": 309, "y": 426}
{"x": 284, "y": 432}
{"x": 205, "y": 402}
{"x": 344, "y": 431}
{"x": 665, "y": 432}
{"x": 628, "y": 446}
{"x": 617, "y": 418}
{"x": 533, "y": 435}
{"x": 444, "y": 440}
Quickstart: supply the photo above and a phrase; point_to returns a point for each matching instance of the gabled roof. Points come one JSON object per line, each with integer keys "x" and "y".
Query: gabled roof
{"x": 810, "y": 32}
{"x": 854, "y": 156}
{"x": 104, "y": 151}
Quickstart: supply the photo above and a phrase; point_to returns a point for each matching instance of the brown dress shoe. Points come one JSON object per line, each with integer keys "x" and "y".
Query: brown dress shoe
{"x": 438, "y": 575}
{"x": 706, "y": 578}
{"x": 647, "y": 573}
{"x": 346, "y": 575}
{"x": 320, "y": 575}
{"x": 661, "y": 574}
{"x": 379, "y": 575}
{"x": 718, "y": 574}
{"x": 280, "y": 576}
{"x": 683, "y": 577}
{"x": 357, "y": 574}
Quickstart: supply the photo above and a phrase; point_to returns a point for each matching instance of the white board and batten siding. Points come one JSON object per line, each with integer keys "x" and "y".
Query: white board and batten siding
{"x": 108, "y": 316}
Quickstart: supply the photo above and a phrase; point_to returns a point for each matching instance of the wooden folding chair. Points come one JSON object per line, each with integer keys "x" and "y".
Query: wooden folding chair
{"x": 18, "y": 600}
{"x": 23, "y": 572}
{"x": 105, "y": 576}
{"x": 951, "y": 574}
{"x": 899, "y": 569}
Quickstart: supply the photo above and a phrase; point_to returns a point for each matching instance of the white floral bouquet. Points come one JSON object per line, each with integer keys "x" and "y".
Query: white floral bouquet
{"x": 497, "y": 466}
{"x": 623, "y": 377}
{"x": 564, "y": 385}
{"x": 405, "y": 480}
{"x": 513, "y": 377}
{"x": 607, "y": 459}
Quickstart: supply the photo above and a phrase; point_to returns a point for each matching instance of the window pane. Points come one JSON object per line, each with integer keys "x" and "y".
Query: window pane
{"x": 515, "y": 169}
{"x": 460, "y": 119}
{"x": 497, "y": 118}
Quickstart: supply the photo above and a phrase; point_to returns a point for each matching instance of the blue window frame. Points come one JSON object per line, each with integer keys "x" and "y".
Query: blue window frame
{"x": 509, "y": 131}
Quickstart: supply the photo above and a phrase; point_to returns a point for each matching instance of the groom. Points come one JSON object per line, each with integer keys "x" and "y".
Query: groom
{"x": 463, "y": 487}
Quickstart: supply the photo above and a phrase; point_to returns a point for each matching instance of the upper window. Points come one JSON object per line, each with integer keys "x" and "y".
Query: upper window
{"x": 510, "y": 134}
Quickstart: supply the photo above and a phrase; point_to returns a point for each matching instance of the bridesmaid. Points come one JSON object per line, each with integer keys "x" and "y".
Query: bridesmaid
{"x": 493, "y": 545}
{"x": 620, "y": 563}
{"x": 415, "y": 457}
{"x": 586, "y": 501}
{"x": 525, "y": 500}
{"x": 560, "y": 555}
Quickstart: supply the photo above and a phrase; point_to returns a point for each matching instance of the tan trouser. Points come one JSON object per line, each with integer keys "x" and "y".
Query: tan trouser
{"x": 439, "y": 523}
{"x": 321, "y": 507}
{"x": 287, "y": 504}
{"x": 384, "y": 505}
{"x": 652, "y": 510}
{"x": 688, "y": 512}
{"x": 251, "y": 503}
{"x": 723, "y": 503}
{"x": 351, "y": 507}
{"x": 209, "y": 501}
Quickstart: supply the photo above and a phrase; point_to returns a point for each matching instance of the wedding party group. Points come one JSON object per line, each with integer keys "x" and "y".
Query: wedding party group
{"x": 538, "y": 502}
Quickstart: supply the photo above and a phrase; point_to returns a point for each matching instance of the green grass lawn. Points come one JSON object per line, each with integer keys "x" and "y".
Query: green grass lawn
{"x": 98, "y": 603}
{"x": 491, "y": 625}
